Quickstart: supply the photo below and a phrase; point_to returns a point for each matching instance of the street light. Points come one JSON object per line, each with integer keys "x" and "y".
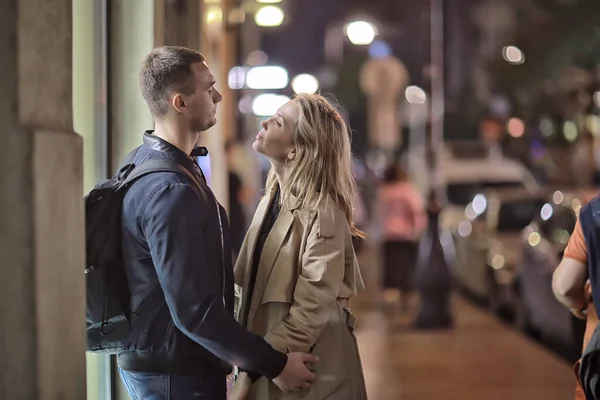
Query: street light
{"x": 360, "y": 33}
{"x": 236, "y": 78}
{"x": 267, "y": 77}
{"x": 513, "y": 55}
{"x": 415, "y": 95}
{"x": 214, "y": 15}
{"x": 305, "y": 83}
{"x": 269, "y": 16}
{"x": 515, "y": 127}
{"x": 267, "y": 104}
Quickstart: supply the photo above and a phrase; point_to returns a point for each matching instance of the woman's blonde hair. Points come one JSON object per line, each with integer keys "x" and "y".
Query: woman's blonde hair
{"x": 322, "y": 166}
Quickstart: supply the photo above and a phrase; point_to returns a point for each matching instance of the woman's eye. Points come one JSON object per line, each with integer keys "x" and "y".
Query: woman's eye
{"x": 278, "y": 124}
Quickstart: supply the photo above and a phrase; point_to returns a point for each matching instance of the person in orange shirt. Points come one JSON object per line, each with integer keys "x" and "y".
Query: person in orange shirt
{"x": 571, "y": 287}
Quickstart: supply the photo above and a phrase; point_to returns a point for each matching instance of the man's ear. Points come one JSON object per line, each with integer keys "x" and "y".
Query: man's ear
{"x": 178, "y": 103}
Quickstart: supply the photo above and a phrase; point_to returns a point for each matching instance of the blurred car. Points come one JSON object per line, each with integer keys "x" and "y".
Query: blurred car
{"x": 543, "y": 243}
{"x": 465, "y": 177}
{"x": 488, "y": 243}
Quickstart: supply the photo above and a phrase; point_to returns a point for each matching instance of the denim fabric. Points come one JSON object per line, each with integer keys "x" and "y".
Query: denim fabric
{"x": 147, "y": 386}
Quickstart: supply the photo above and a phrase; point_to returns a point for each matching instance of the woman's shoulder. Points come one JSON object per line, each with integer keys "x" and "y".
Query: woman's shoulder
{"x": 328, "y": 216}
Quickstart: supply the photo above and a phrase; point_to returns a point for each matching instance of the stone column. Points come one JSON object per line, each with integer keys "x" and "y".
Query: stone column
{"x": 42, "y": 301}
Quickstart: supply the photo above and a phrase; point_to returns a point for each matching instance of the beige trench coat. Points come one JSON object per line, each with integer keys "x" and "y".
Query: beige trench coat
{"x": 307, "y": 273}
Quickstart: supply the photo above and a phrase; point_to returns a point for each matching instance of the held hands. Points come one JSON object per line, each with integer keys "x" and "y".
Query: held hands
{"x": 296, "y": 375}
{"x": 241, "y": 388}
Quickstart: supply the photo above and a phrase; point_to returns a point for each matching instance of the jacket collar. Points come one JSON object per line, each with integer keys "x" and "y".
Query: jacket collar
{"x": 155, "y": 143}
{"x": 290, "y": 203}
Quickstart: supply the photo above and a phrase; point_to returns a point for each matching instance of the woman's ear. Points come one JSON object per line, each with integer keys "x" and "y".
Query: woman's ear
{"x": 291, "y": 155}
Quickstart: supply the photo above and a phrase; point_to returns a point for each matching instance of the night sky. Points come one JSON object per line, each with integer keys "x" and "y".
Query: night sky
{"x": 404, "y": 24}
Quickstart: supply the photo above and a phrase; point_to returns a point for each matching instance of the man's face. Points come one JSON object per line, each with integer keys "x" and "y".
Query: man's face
{"x": 203, "y": 103}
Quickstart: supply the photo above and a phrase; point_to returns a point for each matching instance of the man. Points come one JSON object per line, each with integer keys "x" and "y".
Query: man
{"x": 569, "y": 286}
{"x": 176, "y": 243}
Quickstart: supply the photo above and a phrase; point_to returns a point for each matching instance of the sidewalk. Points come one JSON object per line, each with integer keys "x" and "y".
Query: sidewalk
{"x": 480, "y": 359}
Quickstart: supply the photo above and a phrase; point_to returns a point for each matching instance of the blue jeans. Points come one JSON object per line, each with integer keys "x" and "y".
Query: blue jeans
{"x": 148, "y": 386}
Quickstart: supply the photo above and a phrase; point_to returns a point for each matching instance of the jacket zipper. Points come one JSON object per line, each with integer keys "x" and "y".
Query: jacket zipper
{"x": 212, "y": 195}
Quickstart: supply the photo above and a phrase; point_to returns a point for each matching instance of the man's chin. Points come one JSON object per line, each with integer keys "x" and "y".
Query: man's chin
{"x": 205, "y": 127}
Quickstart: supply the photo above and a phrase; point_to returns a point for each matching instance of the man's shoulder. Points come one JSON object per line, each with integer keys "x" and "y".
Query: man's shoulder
{"x": 159, "y": 186}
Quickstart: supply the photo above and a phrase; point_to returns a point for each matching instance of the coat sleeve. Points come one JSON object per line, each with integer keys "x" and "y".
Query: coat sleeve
{"x": 174, "y": 225}
{"x": 317, "y": 288}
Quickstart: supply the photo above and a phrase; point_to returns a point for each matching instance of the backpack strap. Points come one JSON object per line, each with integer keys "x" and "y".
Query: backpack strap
{"x": 129, "y": 157}
{"x": 158, "y": 165}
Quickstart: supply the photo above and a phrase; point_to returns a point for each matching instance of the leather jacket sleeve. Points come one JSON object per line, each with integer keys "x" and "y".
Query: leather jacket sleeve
{"x": 174, "y": 223}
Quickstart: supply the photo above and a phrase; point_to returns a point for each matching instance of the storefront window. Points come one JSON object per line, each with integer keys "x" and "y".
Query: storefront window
{"x": 90, "y": 121}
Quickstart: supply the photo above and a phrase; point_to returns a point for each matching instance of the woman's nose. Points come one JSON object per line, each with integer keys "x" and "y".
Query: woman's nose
{"x": 264, "y": 124}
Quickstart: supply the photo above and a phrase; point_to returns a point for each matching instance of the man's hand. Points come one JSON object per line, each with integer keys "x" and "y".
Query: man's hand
{"x": 296, "y": 375}
{"x": 241, "y": 388}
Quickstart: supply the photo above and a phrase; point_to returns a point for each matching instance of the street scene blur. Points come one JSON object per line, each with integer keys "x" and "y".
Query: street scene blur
{"x": 475, "y": 138}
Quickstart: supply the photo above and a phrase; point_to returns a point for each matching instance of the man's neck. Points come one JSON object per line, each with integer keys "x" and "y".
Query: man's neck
{"x": 180, "y": 138}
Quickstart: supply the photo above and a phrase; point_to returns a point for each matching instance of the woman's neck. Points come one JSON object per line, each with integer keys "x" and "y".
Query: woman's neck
{"x": 282, "y": 172}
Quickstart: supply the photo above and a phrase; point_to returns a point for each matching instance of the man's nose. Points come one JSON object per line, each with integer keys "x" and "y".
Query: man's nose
{"x": 218, "y": 96}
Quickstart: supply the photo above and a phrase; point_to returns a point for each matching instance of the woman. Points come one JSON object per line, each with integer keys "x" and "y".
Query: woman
{"x": 403, "y": 218}
{"x": 297, "y": 268}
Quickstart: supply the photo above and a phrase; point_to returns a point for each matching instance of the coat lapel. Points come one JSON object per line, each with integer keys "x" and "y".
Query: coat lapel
{"x": 244, "y": 261}
{"x": 270, "y": 251}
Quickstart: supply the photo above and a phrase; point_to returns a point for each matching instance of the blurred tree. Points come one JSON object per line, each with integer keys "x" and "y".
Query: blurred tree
{"x": 561, "y": 43}
{"x": 348, "y": 94}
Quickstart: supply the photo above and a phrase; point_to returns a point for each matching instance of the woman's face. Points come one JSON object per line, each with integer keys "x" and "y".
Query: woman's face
{"x": 276, "y": 139}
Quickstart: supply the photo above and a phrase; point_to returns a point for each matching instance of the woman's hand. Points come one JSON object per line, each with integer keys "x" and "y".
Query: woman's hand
{"x": 241, "y": 388}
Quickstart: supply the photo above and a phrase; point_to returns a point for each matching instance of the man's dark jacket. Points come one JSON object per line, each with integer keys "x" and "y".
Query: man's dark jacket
{"x": 171, "y": 238}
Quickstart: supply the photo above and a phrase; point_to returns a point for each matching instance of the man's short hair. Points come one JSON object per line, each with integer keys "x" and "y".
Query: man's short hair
{"x": 167, "y": 70}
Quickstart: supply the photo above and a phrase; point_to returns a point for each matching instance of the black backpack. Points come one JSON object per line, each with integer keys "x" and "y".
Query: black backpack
{"x": 108, "y": 317}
